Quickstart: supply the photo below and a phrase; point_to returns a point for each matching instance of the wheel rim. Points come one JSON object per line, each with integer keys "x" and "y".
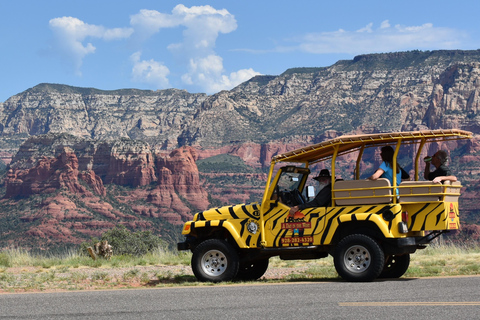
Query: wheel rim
{"x": 214, "y": 263}
{"x": 357, "y": 259}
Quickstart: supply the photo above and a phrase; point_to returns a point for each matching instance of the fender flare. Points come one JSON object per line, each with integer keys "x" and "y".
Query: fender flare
{"x": 369, "y": 217}
{"x": 218, "y": 223}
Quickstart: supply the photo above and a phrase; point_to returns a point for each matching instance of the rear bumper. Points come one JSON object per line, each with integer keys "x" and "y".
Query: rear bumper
{"x": 401, "y": 245}
{"x": 406, "y": 242}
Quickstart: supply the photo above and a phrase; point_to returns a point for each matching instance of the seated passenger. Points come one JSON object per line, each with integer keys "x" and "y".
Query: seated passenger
{"x": 323, "y": 197}
{"x": 442, "y": 172}
{"x": 386, "y": 168}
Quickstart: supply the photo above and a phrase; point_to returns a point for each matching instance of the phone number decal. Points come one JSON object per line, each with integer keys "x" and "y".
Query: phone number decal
{"x": 297, "y": 240}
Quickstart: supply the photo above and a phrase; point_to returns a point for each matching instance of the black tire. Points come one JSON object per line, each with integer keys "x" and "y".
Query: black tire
{"x": 395, "y": 266}
{"x": 358, "y": 258}
{"x": 252, "y": 270}
{"x": 215, "y": 260}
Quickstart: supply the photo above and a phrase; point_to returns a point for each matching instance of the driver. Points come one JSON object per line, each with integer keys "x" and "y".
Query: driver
{"x": 323, "y": 198}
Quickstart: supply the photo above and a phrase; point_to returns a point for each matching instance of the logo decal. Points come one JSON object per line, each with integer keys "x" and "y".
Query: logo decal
{"x": 252, "y": 227}
{"x": 451, "y": 213}
{"x": 297, "y": 224}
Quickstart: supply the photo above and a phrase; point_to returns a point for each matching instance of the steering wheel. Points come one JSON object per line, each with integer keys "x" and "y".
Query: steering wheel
{"x": 297, "y": 197}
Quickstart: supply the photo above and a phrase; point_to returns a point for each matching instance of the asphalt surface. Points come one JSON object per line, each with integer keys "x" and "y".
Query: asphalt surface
{"x": 425, "y": 298}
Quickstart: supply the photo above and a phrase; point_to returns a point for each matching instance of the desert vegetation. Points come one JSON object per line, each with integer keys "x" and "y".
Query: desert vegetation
{"x": 22, "y": 271}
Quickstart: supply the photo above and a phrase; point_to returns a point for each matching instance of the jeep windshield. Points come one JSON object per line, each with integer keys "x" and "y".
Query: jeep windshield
{"x": 290, "y": 184}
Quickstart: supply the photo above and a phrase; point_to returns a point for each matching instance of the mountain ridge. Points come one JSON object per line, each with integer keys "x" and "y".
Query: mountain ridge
{"x": 342, "y": 97}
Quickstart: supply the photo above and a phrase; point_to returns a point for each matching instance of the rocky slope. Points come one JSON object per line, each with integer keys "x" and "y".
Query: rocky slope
{"x": 135, "y": 138}
{"x": 61, "y": 189}
{"x": 379, "y": 92}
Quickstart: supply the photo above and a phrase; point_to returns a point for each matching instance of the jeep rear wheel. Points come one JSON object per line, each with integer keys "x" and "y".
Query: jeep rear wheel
{"x": 215, "y": 260}
{"x": 252, "y": 270}
{"x": 395, "y": 266}
{"x": 358, "y": 258}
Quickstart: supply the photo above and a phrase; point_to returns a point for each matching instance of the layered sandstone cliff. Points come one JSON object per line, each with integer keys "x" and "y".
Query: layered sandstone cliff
{"x": 380, "y": 92}
{"x": 86, "y": 187}
{"x": 268, "y": 114}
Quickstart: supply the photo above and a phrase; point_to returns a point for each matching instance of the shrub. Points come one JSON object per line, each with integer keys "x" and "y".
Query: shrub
{"x": 5, "y": 260}
{"x": 125, "y": 242}
{"x": 223, "y": 163}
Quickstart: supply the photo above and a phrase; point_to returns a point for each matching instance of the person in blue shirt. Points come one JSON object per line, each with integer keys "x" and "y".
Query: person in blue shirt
{"x": 386, "y": 168}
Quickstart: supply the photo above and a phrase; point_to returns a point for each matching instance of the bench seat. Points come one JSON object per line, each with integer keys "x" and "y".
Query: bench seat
{"x": 419, "y": 191}
{"x": 427, "y": 191}
{"x": 452, "y": 190}
{"x": 362, "y": 192}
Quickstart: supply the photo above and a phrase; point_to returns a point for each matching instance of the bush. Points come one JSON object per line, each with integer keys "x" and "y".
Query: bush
{"x": 5, "y": 260}
{"x": 223, "y": 163}
{"x": 126, "y": 242}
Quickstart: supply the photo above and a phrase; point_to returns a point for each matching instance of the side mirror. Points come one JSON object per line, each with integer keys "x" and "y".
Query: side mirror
{"x": 310, "y": 192}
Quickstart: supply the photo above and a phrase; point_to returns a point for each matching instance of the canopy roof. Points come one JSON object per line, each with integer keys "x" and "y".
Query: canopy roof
{"x": 349, "y": 143}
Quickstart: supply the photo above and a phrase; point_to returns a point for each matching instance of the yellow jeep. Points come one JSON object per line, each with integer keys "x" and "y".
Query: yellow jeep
{"x": 370, "y": 228}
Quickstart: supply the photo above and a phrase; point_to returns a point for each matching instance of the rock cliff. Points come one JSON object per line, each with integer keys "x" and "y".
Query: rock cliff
{"x": 65, "y": 189}
{"x": 378, "y": 92}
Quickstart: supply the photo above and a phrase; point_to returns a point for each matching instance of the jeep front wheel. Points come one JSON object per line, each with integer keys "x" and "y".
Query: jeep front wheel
{"x": 215, "y": 260}
{"x": 358, "y": 258}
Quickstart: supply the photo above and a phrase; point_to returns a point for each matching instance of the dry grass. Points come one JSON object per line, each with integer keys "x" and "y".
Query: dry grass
{"x": 445, "y": 260}
{"x": 21, "y": 272}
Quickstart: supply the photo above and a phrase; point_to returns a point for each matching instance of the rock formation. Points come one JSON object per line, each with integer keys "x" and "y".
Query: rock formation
{"x": 91, "y": 186}
{"x": 52, "y": 174}
{"x": 410, "y": 90}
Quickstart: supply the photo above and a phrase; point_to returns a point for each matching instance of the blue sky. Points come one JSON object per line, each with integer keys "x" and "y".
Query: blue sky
{"x": 208, "y": 46}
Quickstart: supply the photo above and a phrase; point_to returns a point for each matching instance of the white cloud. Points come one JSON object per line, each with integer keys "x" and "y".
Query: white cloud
{"x": 208, "y": 72}
{"x": 384, "y": 39}
{"x": 149, "y": 72}
{"x": 195, "y": 50}
{"x": 385, "y": 24}
{"x": 367, "y": 28}
{"x": 148, "y": 22}
{"x": 117, "y": 33}
{"x": 243, "y": 75}
{"x": 70, "y": 33}
{"x": 202, "y": 26}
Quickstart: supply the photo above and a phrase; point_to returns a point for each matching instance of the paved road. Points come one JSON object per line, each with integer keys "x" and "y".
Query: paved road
{"x": 433, "y": 298}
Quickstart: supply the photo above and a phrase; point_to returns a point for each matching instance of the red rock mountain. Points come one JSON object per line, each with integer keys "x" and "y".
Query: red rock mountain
{"x": 76, "y": 199}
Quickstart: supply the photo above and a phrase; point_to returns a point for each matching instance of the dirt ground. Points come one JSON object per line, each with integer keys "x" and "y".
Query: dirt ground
{"x": 36, "y": 279}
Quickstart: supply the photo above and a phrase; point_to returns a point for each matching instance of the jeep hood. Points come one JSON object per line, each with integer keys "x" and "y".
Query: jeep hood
{"x": 240, "y": 211}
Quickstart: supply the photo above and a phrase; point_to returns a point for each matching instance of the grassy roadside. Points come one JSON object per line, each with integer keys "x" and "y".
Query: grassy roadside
{"x": 22, "y": 272}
